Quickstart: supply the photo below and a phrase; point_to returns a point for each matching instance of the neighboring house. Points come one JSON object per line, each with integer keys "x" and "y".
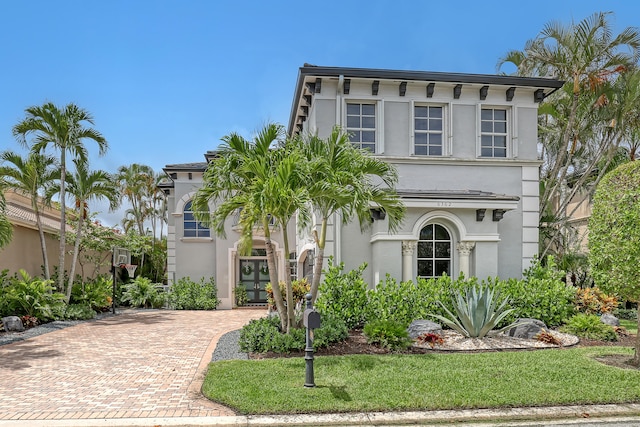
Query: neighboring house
{"x": 24, "y": 252}
{"x": 465, "y": 147}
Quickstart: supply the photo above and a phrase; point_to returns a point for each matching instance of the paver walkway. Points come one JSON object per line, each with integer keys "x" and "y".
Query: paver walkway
{"x": 134, "y": 365}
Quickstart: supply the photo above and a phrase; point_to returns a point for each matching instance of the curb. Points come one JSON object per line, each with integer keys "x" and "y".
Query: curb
{"x": 565, "y": 415}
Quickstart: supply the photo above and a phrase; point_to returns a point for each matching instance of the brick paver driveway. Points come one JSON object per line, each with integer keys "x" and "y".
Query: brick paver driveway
{"x": 136, "y": 364}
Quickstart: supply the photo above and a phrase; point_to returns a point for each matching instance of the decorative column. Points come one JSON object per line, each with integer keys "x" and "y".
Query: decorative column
{"x": 408, "y": 246}
{"x": 464, "y": 249}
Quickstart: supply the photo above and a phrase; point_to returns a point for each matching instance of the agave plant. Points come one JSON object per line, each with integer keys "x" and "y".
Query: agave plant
{"x": 478, "y": 312}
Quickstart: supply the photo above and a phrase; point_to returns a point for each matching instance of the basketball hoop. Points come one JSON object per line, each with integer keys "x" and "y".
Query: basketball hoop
{"x": 131, "y": 269}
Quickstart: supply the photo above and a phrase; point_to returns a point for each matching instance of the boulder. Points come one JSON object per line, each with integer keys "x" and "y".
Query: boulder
{"x": 419, "y": 327}
{"x": 610, "y": 319}
{"x": 12, "y": 324}
{"x": 526, "y": 328}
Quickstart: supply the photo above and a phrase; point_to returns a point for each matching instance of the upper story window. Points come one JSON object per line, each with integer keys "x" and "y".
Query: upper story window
{"x": 192, "y": 227}
{"x": 493, "y": 132}
{"x": 434, "y": 251}
{"x": 428, "y": 130}
{"x": 361, "y": 125}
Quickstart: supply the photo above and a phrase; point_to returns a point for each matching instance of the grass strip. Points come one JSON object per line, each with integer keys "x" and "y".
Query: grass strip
{"x": 425, "y": 382}
{"x": 630, "y": 325}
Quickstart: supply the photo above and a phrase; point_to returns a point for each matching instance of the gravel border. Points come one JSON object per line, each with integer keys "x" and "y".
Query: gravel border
{"x": 228, "y": 348}
{"x": 11, "y": 337}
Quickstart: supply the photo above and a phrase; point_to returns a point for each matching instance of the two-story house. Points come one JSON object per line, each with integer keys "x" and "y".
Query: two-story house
{"x": 465, "y": 147}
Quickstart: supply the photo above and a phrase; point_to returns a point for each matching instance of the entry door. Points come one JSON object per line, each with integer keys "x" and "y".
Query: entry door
{"x": 254, "y": 275}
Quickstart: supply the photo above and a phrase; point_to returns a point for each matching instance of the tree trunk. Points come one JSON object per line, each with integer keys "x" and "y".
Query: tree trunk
{"x": 76, "y": 249}
{"x": 291, "y": 316}
{"x": 43, "y": 243}
{"x": 63, "y": 219}
{"x": 273, "y": 277}
{"x": 317, "y": 267}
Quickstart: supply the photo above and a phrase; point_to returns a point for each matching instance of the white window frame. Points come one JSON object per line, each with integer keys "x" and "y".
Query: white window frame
{"x": 511, "y": 148}
{"x": 379, "y": 119}
{"x": 446, "y": 140}
{"x": 199, "y": 227}
{"x": 433, "y": 257}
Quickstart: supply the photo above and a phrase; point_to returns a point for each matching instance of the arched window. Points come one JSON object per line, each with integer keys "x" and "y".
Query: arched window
{"x": 434, "y": 251}
{"x": 192, "y": 227}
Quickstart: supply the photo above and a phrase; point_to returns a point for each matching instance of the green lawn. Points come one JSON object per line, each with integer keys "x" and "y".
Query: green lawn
{"x": 630, "y": 325}
{"x": 430, "y": 381}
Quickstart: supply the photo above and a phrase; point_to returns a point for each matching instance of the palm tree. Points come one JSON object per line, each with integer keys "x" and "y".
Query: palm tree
{"x": 286, "y": 195}
{"x": 585, "y": 55}
{"x": 343, "y": 181}
{"x": 85, "y": 186}
{"x": 63, "y": 130}
{"x": 236, "y": 180}
{"x": 136, "y": 183}
{"x": 32, "y": 177}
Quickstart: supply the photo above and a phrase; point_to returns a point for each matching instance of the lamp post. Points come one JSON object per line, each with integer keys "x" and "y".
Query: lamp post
{"x": 311, "y": 321}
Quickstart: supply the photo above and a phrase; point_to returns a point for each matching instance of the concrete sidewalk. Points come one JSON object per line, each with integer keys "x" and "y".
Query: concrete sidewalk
{"x": 145, "y": 368}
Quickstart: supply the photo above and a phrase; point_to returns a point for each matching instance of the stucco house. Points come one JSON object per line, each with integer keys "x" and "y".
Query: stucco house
{"x": 465, "y": 146}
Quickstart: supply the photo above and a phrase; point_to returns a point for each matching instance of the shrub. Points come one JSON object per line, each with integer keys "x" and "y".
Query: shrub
{"x": 400, "y": 303}
{"x": 188, "y": 295}
{"x": 343, "y": 295}
{"x": 79, "y": 312}
{"x": 589, "y": 326}
{"x": 97, "y": 293}
{"x": 299, "y": 287}
{"x": 27, "y": 296}
{"x": 142, "y": 293}
{"x": 241, "y": 295}
{"x": 333, "y": 330}
{"x": 263, "y": 335}
{"x": 477, "y": 312}
{"x": 540, "y": 295}
{"x": 388, "y": 334}
{"x": 626, "y": 313}
{"x": 594, "y": 301}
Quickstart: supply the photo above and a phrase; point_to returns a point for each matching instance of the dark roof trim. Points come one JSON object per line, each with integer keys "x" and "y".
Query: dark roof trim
{"x": 436, "y": 76}
{"x": 455, "y": 195}
{"x": 427, "y": 76}
{"x": 186, "y": 167}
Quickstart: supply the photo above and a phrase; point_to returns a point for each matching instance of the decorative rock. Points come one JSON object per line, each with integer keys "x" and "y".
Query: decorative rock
{"x": 609, "y": 319}
{"x": 419, "y": 327}
{"x": 12, "y": 324}
{"x": 527, "y": 328}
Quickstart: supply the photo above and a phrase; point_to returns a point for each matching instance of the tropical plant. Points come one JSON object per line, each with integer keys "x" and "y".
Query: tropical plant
{"x": 589, "y": 326}
{"x": 388, "y": 334}
{"x": 28, "y": 296}
{"x": 97, "y": 293}
{"x": 477, "y": 312}
{"x": 79, "y": 312}
{"x": 349, "y": 182}
{"x": 299, "y": 288}
{"x": 242, "y": 179}
{"x": 32, "y": 177}
{"x": 585, "y": 119}
{"x": 143, "y": 293}
{"x": 594, "y": 301}
{"x": 63, "y": 130}
{"x": 242, "y": 298}
{"x": 85, "y": 185}
{"x": 614, "y": 236}
{"x": 186, "y": 294}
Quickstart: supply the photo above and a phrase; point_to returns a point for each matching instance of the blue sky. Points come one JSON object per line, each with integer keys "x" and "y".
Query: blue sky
{"x": 165, "y": 80}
